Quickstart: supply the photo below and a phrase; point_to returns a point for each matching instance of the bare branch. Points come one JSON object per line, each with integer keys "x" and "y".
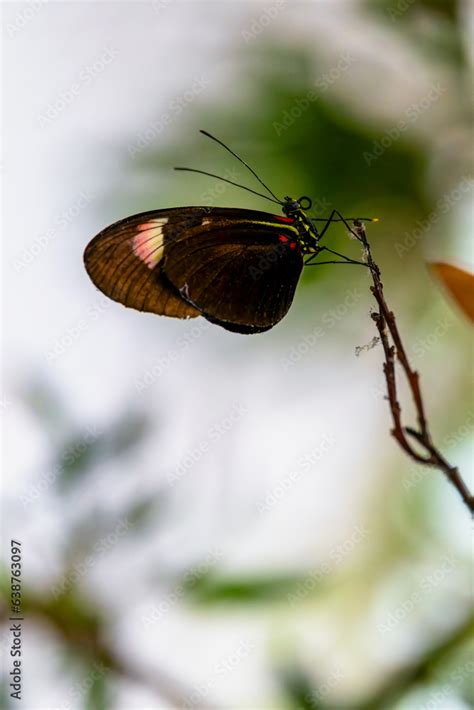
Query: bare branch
{"x": 394, "y": 350}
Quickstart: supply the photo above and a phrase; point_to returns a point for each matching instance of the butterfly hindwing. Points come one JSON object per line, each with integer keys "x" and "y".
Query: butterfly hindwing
{"x": 241, "y": 272}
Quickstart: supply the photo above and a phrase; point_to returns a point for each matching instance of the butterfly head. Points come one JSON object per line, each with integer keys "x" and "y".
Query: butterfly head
{"x": 292, "y": 206}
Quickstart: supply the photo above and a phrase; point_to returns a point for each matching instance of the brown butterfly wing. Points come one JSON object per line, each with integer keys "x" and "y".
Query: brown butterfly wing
{"x": 229, "y": 265}
{"x": 241, "y": 276}
{"x": 124, "y": 261}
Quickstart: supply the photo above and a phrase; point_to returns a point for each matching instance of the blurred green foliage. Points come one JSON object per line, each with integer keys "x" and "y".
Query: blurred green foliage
{"x": 210, "y": 589}
{"x": 82, "y": 451}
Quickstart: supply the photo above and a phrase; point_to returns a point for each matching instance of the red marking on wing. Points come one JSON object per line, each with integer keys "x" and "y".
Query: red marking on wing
{"x": 285, "y": 240}
{"x": 284, "y": 219}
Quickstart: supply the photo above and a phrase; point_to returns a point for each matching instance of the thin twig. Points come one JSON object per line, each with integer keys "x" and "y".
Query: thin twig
{"x": 394, "y": 350}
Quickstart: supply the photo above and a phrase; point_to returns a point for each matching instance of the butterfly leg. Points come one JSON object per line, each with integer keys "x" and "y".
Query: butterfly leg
{"x": 321, "y": 263}
{"x": 345, "y": 259}
{"x": 330, "y": 219}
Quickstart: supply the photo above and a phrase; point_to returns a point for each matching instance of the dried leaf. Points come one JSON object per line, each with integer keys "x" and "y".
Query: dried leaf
{"x": 459, "y": 283}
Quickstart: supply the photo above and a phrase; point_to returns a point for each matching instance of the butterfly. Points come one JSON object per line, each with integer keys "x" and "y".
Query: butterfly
{"x": 237, "y": 268}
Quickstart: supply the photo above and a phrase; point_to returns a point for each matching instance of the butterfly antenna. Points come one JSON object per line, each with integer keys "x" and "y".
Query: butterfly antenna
{"x": 347, "y": 219}
{"x": 205, "y": 133}
{"x": 236, "y": 184}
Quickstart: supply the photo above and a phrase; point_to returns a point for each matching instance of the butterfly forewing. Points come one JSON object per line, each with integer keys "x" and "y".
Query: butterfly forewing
{"x": 124, "y": 261}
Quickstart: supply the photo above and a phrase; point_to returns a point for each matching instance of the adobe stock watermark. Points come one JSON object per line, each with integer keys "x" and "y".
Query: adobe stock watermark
{"x": 379, "y": 390}
{"x": 301, "y": 104}
{"x": 438, "y": 699}
{"x": 156, "y": 612}
{"x": 86, "y": 76}
{"x": 77, "y": 691}
{"x": 68, "y": 458}
{"x": 424, "y": 344}
{"x": 269, "y": 260}
{"x": 303, "y": 465}
{"x": 461, "y": 433}
{"x": 425, "y": 586}
{"x": 337, "y": 555}
{"x": 5, "y": 403}
{"x": 227, "y": 664}
{"x": 175, "y": 109}
{"x": 30, "y": 253}
{"x": 159, "y": 5}
{"x": 319, "y": 206}
{"x": 74, "y": 332}
{"x": 264, "y": 20}
{"x": 213, "y": 435}
{"x": 409, "y": 117}
{"x": 328, "y": 321}
{"x": 212, "y": 194}
{"x": 24, "y": 16}
{"x": 266, "y": 262}
{"x": 325, "y": 687}
{"x": 443, "y": 205}
{"x": 80, "y": 568}
{"x": 398, "y": 9}
{"x": 454, "y": 438}
{"x": 164, "y": 362}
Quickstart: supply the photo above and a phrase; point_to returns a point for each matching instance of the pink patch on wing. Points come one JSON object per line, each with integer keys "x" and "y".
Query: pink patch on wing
{"x": 148, "y": 243}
